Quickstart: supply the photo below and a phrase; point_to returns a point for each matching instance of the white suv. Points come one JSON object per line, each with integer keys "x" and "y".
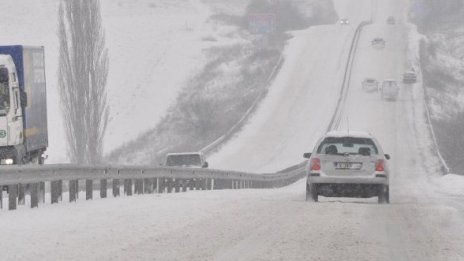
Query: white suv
{"x": 347, "y": 164}
{"x": 389, "y": 90}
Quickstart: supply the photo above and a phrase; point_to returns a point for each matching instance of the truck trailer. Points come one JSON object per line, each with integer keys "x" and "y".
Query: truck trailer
{"x": 23, "y": 105}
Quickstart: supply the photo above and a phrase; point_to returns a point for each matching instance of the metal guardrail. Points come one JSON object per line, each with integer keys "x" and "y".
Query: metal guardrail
{"x": 445, "y": 168}
{"x": 31, "y": 181}
{"x": 337, "y": 117}
{"x": 443, "y": 163}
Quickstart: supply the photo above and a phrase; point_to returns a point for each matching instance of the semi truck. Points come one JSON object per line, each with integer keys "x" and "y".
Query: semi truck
{"x": 23, "y": 105}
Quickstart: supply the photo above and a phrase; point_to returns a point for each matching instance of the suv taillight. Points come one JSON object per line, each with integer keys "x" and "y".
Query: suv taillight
{"x": 315, "y": 164}
{"x": 380, "y": 165}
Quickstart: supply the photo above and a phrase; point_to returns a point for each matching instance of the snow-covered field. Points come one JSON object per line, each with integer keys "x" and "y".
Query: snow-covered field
{"x": 154, "y": 47}
{"x": 423, "y": 222}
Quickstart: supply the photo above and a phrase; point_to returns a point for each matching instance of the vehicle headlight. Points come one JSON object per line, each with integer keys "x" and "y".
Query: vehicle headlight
{"x": 7, "y": 161}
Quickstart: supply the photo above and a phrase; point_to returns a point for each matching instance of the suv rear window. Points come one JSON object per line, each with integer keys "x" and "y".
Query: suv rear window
{"x": 347, "y": 145}
{"x": 183, "y": 160}
{"x": 389, "y": 84}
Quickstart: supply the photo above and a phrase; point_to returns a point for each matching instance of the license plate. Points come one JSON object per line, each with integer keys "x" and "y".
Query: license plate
{"x": 348, "y": 165}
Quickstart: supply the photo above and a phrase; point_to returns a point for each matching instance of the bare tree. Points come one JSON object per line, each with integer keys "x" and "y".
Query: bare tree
{"x": 83, "y": 71}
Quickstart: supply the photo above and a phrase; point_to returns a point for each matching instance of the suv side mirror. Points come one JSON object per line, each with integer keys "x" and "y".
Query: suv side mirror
{"x": 307, "y": 155}
{"x": 387, "y": 156}
{"x": 205, "y": 165}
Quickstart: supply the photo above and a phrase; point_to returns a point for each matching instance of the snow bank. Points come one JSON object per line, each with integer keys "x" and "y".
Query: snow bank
{"x": 452, "y": 184}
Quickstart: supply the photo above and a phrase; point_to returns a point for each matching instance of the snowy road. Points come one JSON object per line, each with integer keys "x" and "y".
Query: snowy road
{"x": 423, "y": 221}
{"x": 299, "y": 105}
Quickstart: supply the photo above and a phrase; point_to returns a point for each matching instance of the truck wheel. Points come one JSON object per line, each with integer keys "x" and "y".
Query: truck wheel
{"x": 41, "y": 160}
{"x": 18, "y": 159}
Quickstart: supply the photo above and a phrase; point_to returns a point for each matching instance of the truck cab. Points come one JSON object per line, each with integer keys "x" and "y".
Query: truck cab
{"x": 23, "y": 108}
{"x": 11, "y": 124}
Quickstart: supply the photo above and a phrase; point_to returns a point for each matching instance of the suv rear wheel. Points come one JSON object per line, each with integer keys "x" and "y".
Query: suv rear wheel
{"x": 384, "y": 194}
{"x": 311, "y": 193}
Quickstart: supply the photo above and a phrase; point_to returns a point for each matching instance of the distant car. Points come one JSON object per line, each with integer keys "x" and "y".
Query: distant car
{"x": 391, "y": 20}
{"x": 410, "y": 77}
{"x": 370, "y": 85}
{"x": 186, "y": 159}
{"x": 389, "y": 90}
{"x": 347, "y": 164}
{"x": 344, "y": 21}
{"x": 378, "y": 41}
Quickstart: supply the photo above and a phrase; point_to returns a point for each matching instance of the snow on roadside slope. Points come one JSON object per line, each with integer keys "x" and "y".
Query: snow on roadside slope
{"x": 154, "y": 47}
{"x": 451, "y": 184}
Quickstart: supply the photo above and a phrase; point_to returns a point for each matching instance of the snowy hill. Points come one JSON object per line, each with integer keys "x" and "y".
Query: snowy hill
{"x": 154, "y": 46}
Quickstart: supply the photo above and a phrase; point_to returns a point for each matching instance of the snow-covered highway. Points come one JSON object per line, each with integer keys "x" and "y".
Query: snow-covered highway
{"x": 302, "y": 99}
{"x": 423, "y": 222}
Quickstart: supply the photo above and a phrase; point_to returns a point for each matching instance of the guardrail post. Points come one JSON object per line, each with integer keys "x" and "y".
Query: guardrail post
{"x": 54, "y": 191}
{"x": 177, "y": 185}
{"x": 161, "y": 185}
{"x": 42, "y": 192}
{"x": 72, "y": 190}
{"x": 204, "y": 183}
{"x": 139, "y": 186}
{"x": 147, "y": 186}
{"x": 155, "y": 184}
{"x": 60, "y": 190}
{"x": 136, "y": 186}
{"x": 128, "y": 187}
{"x": 88, "y": 189}
{"x": 184, "y": 184}
{"x": 217, "y": 184}
{"x": 103, "y": 188}
{"x": 191, "y": 184}
{"x": 1, "y": 197}
{"x": 197, "y": 184}
{"x": 34, "y": 195}
{"x": 116, "y": 191}
{"x": 21, "y": 196}
{"x": 12, "y": 196}
{"x": 169, "y": 185}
